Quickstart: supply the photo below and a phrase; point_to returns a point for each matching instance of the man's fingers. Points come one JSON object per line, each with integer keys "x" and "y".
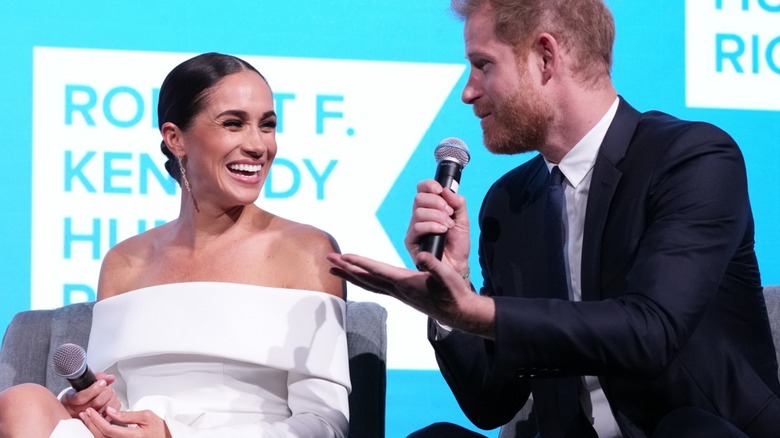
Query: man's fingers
{"x": 358, "y": 276}
{"x": 429, "y": 186}
{"x": 378, "y": 271}
{"x": 427, "y": 262}
{"x": 370, "y": 274}
{"x": 358, "y": 281}
{"x": 442, "y": 273}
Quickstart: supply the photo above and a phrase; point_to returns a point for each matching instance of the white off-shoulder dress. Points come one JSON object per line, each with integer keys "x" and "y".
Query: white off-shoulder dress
{"x": 225, "y": 360}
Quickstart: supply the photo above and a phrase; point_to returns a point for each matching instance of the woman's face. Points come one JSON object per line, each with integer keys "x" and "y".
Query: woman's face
{"x": 231, "y": 142}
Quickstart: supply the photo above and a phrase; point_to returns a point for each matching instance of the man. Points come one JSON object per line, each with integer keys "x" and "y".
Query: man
{"x": 658, "y": 292}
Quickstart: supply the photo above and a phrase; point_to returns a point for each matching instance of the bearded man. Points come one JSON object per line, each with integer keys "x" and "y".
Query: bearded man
{"x": 621, "y": 288}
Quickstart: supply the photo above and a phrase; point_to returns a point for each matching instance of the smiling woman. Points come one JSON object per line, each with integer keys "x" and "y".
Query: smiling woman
{"x": 232, "y": 126}
{"x": 217, "y": 120}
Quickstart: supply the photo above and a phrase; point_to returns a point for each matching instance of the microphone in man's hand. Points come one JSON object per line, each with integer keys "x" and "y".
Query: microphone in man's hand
{"x": 70, "y": 361}
{"x": 451, "y": 155}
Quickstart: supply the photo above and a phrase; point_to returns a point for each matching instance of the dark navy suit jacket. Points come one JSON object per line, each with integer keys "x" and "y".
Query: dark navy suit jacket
{"x": 673, "y": 313}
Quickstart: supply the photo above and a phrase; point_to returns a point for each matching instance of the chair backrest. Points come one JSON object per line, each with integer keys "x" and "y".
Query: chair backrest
{"x": 33, "y": 335}
{"x": 31, "y": 338}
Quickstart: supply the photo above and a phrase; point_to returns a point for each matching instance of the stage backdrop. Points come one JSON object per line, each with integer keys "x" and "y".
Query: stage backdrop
{"x": 364, "y": 91}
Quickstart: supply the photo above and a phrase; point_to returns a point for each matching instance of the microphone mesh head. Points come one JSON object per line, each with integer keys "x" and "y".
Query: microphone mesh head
{"x": 69, "y": 360}
{"x": 453, "y": 149}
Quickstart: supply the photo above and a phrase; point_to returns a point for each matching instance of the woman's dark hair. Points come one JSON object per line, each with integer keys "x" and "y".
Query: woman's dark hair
{"x": 184, "y": 90}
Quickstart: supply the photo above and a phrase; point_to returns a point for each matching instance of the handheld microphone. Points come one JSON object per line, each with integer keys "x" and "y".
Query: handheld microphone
{"x": 452, "y": 155}
{"x": 70, "y": 361}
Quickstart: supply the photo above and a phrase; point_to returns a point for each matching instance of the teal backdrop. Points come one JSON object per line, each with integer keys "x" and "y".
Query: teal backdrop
{"x": 660, "y": 60}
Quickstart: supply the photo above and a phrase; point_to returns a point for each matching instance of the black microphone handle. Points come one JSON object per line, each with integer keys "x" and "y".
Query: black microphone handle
{"x": 448, "y": 175}
{"x": 83, "y": 381}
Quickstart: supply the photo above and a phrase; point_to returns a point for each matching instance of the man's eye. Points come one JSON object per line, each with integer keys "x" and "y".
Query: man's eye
{"x": 481, "y": 65}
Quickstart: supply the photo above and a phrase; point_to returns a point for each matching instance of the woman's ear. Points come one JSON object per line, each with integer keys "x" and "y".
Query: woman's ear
{"x": 171, "y": 134}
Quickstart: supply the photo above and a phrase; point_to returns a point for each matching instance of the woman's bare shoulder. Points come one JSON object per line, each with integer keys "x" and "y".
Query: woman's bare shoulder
{"x": 305, "y": 237}
{"x": 304, "y": 248}
{"x": 126, "y": 262}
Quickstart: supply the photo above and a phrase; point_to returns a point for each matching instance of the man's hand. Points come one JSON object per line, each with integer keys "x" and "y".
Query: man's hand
{"x": 437, "y": 290}
{"x": 439, "y": 211}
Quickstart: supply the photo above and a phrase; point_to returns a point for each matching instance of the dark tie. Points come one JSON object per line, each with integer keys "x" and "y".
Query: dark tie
{"x": 567, "y": 392}
{"x": 556, "y": 235}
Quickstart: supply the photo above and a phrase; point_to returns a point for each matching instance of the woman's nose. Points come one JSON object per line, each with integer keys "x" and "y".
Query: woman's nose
{"x": 255, "y": 145}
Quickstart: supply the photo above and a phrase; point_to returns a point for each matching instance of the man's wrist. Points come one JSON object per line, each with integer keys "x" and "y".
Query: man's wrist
{"x": 463, "y": 269}
{"x": 478, "y": 316}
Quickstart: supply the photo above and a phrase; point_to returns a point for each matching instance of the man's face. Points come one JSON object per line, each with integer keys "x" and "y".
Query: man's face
{"x": 502, "y": 90}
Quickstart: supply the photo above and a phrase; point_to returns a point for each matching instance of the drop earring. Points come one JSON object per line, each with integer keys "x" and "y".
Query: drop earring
{"x": 187, "y": 183}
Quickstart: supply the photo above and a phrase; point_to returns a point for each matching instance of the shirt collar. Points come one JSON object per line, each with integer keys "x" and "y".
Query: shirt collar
{"x": 576, "y": 164}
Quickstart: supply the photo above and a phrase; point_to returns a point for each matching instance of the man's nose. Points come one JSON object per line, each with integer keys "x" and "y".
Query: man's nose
{"x": 470, "y": 92}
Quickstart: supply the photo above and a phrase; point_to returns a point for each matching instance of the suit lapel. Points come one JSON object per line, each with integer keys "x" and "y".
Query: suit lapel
{"x": 606, "y": 176}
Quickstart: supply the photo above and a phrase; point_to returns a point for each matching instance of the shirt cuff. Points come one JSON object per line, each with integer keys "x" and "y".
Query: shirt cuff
{"x": 442, "y": 330}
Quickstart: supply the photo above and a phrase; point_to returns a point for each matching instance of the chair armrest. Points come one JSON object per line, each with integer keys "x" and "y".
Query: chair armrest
{"x": 367, "y": 344}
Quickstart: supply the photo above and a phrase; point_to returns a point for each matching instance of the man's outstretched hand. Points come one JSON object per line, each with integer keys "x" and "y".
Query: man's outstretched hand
{"x": 436, "y": 290}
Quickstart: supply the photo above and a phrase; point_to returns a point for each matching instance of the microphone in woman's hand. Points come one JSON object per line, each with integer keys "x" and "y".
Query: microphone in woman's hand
{"x": 70, "y": 361}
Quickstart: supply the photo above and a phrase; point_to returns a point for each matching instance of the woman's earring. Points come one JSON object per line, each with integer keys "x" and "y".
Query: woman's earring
{"x": 184, "y": 175}
{"x": 187, "y": 182}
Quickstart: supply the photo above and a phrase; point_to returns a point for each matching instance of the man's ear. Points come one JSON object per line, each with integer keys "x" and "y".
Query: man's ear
{"x": 171, "y": 134}
{"x": 547, "y": 50}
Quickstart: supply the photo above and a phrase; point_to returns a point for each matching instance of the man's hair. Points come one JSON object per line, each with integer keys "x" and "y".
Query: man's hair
{"x": 585, "y": 28}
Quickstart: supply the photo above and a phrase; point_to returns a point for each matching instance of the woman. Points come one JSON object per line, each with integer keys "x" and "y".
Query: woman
{"x": 223, "y": 322}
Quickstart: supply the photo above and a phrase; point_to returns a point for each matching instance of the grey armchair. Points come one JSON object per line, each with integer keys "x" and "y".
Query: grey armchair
{"x": 33, "y": 335}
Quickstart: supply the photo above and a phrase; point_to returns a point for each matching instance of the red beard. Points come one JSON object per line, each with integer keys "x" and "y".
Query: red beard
{"x": 515, "y": 125}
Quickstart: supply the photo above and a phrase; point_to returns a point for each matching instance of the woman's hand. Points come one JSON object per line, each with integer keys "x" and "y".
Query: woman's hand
{"x": 98, "y": 396}
{"x": 125, "y": 424}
